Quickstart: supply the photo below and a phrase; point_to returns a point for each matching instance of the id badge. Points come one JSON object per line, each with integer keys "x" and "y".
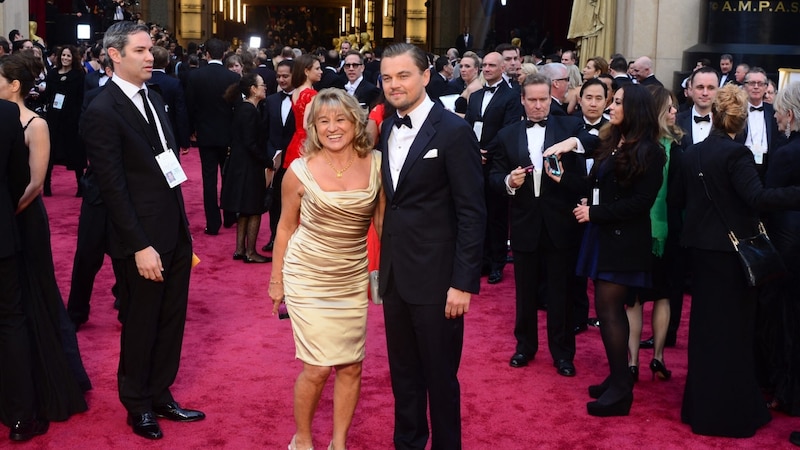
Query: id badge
{"x": 477, "y": 127}
{"x": 759, "y": 157}
{"x": 171, "y": 168}
{"x": 58, "y": 101}
{"x": 595, "y": 196}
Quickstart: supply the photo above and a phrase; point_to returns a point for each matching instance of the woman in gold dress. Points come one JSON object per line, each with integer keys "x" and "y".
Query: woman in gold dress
{"x": 330, "y": 196}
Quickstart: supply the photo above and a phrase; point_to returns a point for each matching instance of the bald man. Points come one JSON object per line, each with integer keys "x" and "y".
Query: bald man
{"x": 643, "y": 71}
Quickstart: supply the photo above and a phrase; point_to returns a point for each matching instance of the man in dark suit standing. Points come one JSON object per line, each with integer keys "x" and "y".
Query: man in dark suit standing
{"x": 543, "y": 228}
{"x": 279, "y": 121}
{"x": 430, "y": 250}
{"x": 559, "y": 82}
{"x": 643, "y": 71}
{"x": 725, "y": 69}
{"x": 18, "y": 392}
{"x": 172, "y": 93}
{"x": 357, "y": 86}
{"x": 267, "y": 74}
{"x": 439, "y": 77}
{"x": 210, "y": 116}
{"x": 465, "y": 41}
{"x": 618, "y": 69}
{"x": 760, "y": 134}
{"x": 488, "y": 111}
{"x": 133, "y": 160}
{"x": 330, "y": 72}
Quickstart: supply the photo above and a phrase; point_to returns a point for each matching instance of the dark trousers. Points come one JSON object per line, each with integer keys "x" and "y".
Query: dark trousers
{"x": 424, "y": 351}
{"x": 275, "y": 208}
{"x": 212, "y": 158}
{"x": 89, "y": 254}
{"x": 495, "y": 245}
{"x": 678, "y": 269}
{"x": 560, "y": 299}
{"x": 15, "y": 352}
{"x": 153, "y": 315}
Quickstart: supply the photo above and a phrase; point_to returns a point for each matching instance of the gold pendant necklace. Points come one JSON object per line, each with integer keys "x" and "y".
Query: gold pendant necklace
{"x": 338, "y": 172}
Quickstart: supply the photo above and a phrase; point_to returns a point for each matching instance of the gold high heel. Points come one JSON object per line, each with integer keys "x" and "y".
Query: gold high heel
{"x": 293, "y": 444}
{"x": 330, "y": 446}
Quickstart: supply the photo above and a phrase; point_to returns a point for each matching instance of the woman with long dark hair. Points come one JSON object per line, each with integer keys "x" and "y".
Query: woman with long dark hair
{"x": 616, "y": 248}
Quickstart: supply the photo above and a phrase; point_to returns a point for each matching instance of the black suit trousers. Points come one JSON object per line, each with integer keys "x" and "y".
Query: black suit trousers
{"x": 212, "y": 158}
{"x": 560, "y": 272}
{"x": 275, "y": 207}
{"x": 15, "y": 352}
{"x": 495, "y": 244}
{"x": 153, "y": 315}
{"x": 424, "y": 351}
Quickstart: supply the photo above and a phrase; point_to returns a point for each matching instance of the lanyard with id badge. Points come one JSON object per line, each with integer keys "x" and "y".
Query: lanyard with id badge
{"x": 167, "y": 161}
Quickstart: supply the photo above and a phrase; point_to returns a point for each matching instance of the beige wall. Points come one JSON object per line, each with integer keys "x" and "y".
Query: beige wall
{"x": 660, "y": 29}
{"x": 14, "y": 15}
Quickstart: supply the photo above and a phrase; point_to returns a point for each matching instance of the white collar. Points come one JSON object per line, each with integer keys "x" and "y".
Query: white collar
{"x": 128, "y": 88}
{"x": 420, "y": 113}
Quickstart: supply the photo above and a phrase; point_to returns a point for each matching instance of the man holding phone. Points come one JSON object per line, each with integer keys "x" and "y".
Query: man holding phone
{"x": 543, "y": 229}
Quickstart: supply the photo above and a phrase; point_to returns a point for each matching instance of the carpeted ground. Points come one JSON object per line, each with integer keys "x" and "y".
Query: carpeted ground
{"x": 238, "y": 366}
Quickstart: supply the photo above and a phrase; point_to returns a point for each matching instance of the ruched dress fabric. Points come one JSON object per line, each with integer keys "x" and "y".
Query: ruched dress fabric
{"x": 325, "y": 273}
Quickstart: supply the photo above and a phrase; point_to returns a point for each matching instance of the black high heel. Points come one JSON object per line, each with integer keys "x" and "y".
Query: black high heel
{"x": 658, "y": 368}
{"x": 621, "y": 407}
{"x": 596, "y": 390}
{"x": 634, "y": 373}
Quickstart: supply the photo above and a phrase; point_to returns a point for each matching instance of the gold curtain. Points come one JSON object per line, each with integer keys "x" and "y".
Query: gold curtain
{"x": 592, "y": 27}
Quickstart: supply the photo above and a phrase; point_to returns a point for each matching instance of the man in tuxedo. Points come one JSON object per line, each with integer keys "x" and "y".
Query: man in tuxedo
{"x": 279, "y": 121}
{"x": 267, "y": 74}
{"x": 171, "y": 91}
{"x": 488, "y": 111}
{"x": 210, "y": 116}
{"x": 19, "y": 397}
{"x": 761, "y": 132}
{"x": 741, "y": 72}
{"x": 725, "y": 67}
{"x": 618, "y": 68}
{"x": 465, "y": 41}
{"x": 330, "y": 72}
{"x": 643, "y": 71}
{"x": 372, "y": 69}
{"x": 94, "y": 80}
{"x": 440, "y": 75}
{"x": 511, "y": 65}
{"x": 149, "y": 228}
{"x": 430, "y": 250}
{"x": 558, "y": 75}
{"x": 366, "y": 92}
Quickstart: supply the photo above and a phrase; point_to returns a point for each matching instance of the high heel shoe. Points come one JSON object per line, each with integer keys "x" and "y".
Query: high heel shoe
{"x": 634, "y": 373}
{"x": 293, "y": 444}
{"x": 658, "y": 368}
{"x": 330, "y": 446}
{"x": 621, "y": 407}
{"x": 238, "y": 256}
{"x": 596, "y": 390}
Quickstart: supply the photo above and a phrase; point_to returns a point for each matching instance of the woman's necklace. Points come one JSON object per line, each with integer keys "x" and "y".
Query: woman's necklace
{"x": 339, "y": 172}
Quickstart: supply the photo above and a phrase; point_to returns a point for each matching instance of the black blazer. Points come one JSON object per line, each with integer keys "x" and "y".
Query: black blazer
{"x": 279, "y": 135}
{"x": 142, "y": 208}
{"x": 455, "y": 86}
{"x": 92, "y": 80}
{"x": 774, "y": 138}
{"x": 623, "y": 215}
{"x": 684, "y": 120}
{"x": 172, "y": 93}
{"x": 464, "y": 43}
{"x": 434, "y": 223}
{"x": 367, "y": 94}
{"x": 651, "y": 80}
{"x": 330, "y": 78}
{"x": 270, "y": 78}
{"x": 14, "y": 176}
{"x": 552, "y": 210}
{"x": 209, "y": 114}
{"x": 503, "y": 109}
{"x": 733, "y": 182}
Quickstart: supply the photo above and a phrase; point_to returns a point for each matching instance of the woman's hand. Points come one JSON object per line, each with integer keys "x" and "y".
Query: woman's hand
{"x": 565, "y": 146}
{"x": 581, "y": 213}
{"x": 276, "y": 294}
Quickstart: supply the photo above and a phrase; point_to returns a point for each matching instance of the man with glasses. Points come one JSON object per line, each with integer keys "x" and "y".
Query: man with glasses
{"x": 559, "y": 79}
{"x": 761, "y": 131}
{"x": 366, "y": 92}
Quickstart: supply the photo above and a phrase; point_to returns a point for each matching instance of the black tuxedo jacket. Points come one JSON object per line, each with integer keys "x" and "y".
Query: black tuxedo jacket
{"x": 14, "y": 176}
{"x": 503, "y": 109}
{"x": 651, "y": 80}
{"x": 774, "y": 138}
{"x": 143, "y": 210}
{"x": 372, "y": 71}
{"x": 552, "y": 210}
{"x": 209, "y": 114}
{"x": 455, "y": 86}
{"x": 172, "y": 93}
{"x": 618, "y": 82}
{"x": 279, "y": 135}
{"x": 367, "y": 94}
{"x": 270, "y": 78}
{"x": 463, "y": 44}
{"x": 330, "y": 78}
{"x": 92, "y": 80}
{"x": 684, "y": 120}
{"x": 733, "y": 182}
{"x": 434, "y": 224}
{"x": 436, "y": 86}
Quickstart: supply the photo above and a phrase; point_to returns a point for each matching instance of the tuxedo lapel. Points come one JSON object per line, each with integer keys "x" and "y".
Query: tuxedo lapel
{"x": 161, "y": 111}
{"x": 386, "y": 129}
{"x": 420, "y": 144}
{"x": 128, "y": 110}
{"x": 522, "y": 147}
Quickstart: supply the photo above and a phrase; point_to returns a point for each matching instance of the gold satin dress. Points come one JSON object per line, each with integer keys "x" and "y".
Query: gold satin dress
{"x": 325, "y": 275}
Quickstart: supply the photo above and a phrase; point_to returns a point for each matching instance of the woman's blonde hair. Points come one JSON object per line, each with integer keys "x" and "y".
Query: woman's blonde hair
{"x": 338, "y": 100}
{"x": 729, "y": 111}
{"x": 528, "y": 69}
{"x": 788, "y": 99}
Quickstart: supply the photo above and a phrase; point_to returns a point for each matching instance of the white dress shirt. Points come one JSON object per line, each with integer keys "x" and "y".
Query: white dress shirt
{"x": 400, "y": 139}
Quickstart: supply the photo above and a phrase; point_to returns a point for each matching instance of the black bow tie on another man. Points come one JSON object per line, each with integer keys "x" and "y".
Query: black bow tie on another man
{"x": 596, "y": 126}
{"x": 760, "y": 108}
{"x": 405, "y": 120}
{"x": 490, "y": 89}
{"x": 542, "y": 123}
{"x": 698, "y": 119}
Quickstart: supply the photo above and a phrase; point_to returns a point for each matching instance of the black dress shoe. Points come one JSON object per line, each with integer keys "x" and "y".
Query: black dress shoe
{"x": 564, "y": 367}
{"x": 580, "y": 328}
{"x": 24, "y": 430}
{"x": 647, "y": 343}
{"x": 145, "y": 425}
{"x": 238, "y": 256}
{"x": 495, "y": 277}
{"x": 173, "y": 411}
{"x": 794, "y": 438}
{"x": 593, "y": 321}
{"x": 596, "y": 390}
{"x": 519, "y": 360}
{"x": 268, "y": 247}
{"x": 256, "y": 258}
{"x": 621, "y": 407}
{"x": 211, "y": 232}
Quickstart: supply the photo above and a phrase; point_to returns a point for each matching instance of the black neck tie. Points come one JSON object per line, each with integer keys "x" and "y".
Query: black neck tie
{"x": 151, "y": 120}
{"x": 760, "y": 108}
{"x": 596, "y": 126}
{"x": 490, "y": 89}
{"x": 542, "y": 123}
{"x": 405, "y": 120}
{"x": 698, "y": 119}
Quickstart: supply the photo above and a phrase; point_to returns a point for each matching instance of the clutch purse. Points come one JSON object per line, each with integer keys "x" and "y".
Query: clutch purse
{"x": 373, "y": 288}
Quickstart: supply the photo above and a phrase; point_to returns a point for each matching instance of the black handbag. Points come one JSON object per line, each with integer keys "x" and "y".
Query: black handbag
{"x": 760, "y": 261}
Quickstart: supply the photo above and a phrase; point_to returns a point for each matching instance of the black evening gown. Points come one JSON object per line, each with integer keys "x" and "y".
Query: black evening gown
{"x": 66, "y": 147}
{"x": 244, "y": 185}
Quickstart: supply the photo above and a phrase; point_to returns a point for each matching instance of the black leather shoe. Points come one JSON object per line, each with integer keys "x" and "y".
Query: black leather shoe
{"x": 238, "y": 256}
{"x": 173, "y": 411}
{"x": 580, "y": 328}
{"x": 495, "y": 277}
{"x": 794, "y": 438}
{"x": 268, "y": 247}
{"x": 211, "y": 232}
{"x": 24, "y": 430}
{"x": 256, "y": 258}
{"x": 564, "y": 367}
{"x": 647, "y": 343}
{"x": 145, "y": 425}
{"x": 519, "y": 360}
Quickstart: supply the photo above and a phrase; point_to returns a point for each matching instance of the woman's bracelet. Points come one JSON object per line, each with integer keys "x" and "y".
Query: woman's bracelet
{"x": 275, "y": 282}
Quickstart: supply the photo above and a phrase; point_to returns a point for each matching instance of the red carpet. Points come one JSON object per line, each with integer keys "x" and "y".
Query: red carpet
{"x": 239, "y": 367}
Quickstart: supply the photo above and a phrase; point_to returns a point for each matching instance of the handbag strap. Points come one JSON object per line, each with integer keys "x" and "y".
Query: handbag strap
{"x": 734, "y": 240}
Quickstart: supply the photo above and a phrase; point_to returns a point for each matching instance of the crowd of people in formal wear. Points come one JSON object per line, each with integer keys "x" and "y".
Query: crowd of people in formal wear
{"x": 433, "y": 170}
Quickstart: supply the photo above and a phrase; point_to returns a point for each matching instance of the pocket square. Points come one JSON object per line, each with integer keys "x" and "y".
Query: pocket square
{"x": 432, "y": 153}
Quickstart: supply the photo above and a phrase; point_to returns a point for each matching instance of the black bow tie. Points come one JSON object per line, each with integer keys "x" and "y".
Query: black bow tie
{"x": 285, "y": 94}
{"x": 490, "y": 89}
{"x": 760, "y": 108}
{"x": 698, "y": 119}
{"x": 596, "y": 126}
{"x": 542, "y": 123}
{"x": 405, "y": 120}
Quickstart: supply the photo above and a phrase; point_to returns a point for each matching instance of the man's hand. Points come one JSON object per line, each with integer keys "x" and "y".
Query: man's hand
{"x": 483, "y": 156}
{"x": 457, "y": 303}
{"x": 148, "y": 263}
{"x": 516, "y": 177}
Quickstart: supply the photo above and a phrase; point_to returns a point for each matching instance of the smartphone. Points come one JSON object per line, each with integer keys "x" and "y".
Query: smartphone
{"x": 555, "y": 165}
{"x": 528, "y": 169}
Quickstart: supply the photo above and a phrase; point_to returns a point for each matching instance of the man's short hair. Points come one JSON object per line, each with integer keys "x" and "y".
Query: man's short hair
{"x": 755, "y": 69}
{"x": 594, "y": 82}
{"x": 117, "y": 35}
{"x": 619, "y": 64}
{"x": 704, "y": 69}
{"x": 504, "y": 47}
{"x": 441, "y": 62}
{"x": 160, "y": 57}
{"x": 332, "y": 59}
{"x": 216, "y": 48}
{"x": 536, "y": 78}
{"x": 416, "y": 54}
{"x": 355, "y": 53}
{"x": 726, "y": 57}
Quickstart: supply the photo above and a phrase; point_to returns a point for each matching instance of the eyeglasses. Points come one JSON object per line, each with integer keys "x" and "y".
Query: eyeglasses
{"x": 755, "y": 83}
{"x": 352, "y": 65}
